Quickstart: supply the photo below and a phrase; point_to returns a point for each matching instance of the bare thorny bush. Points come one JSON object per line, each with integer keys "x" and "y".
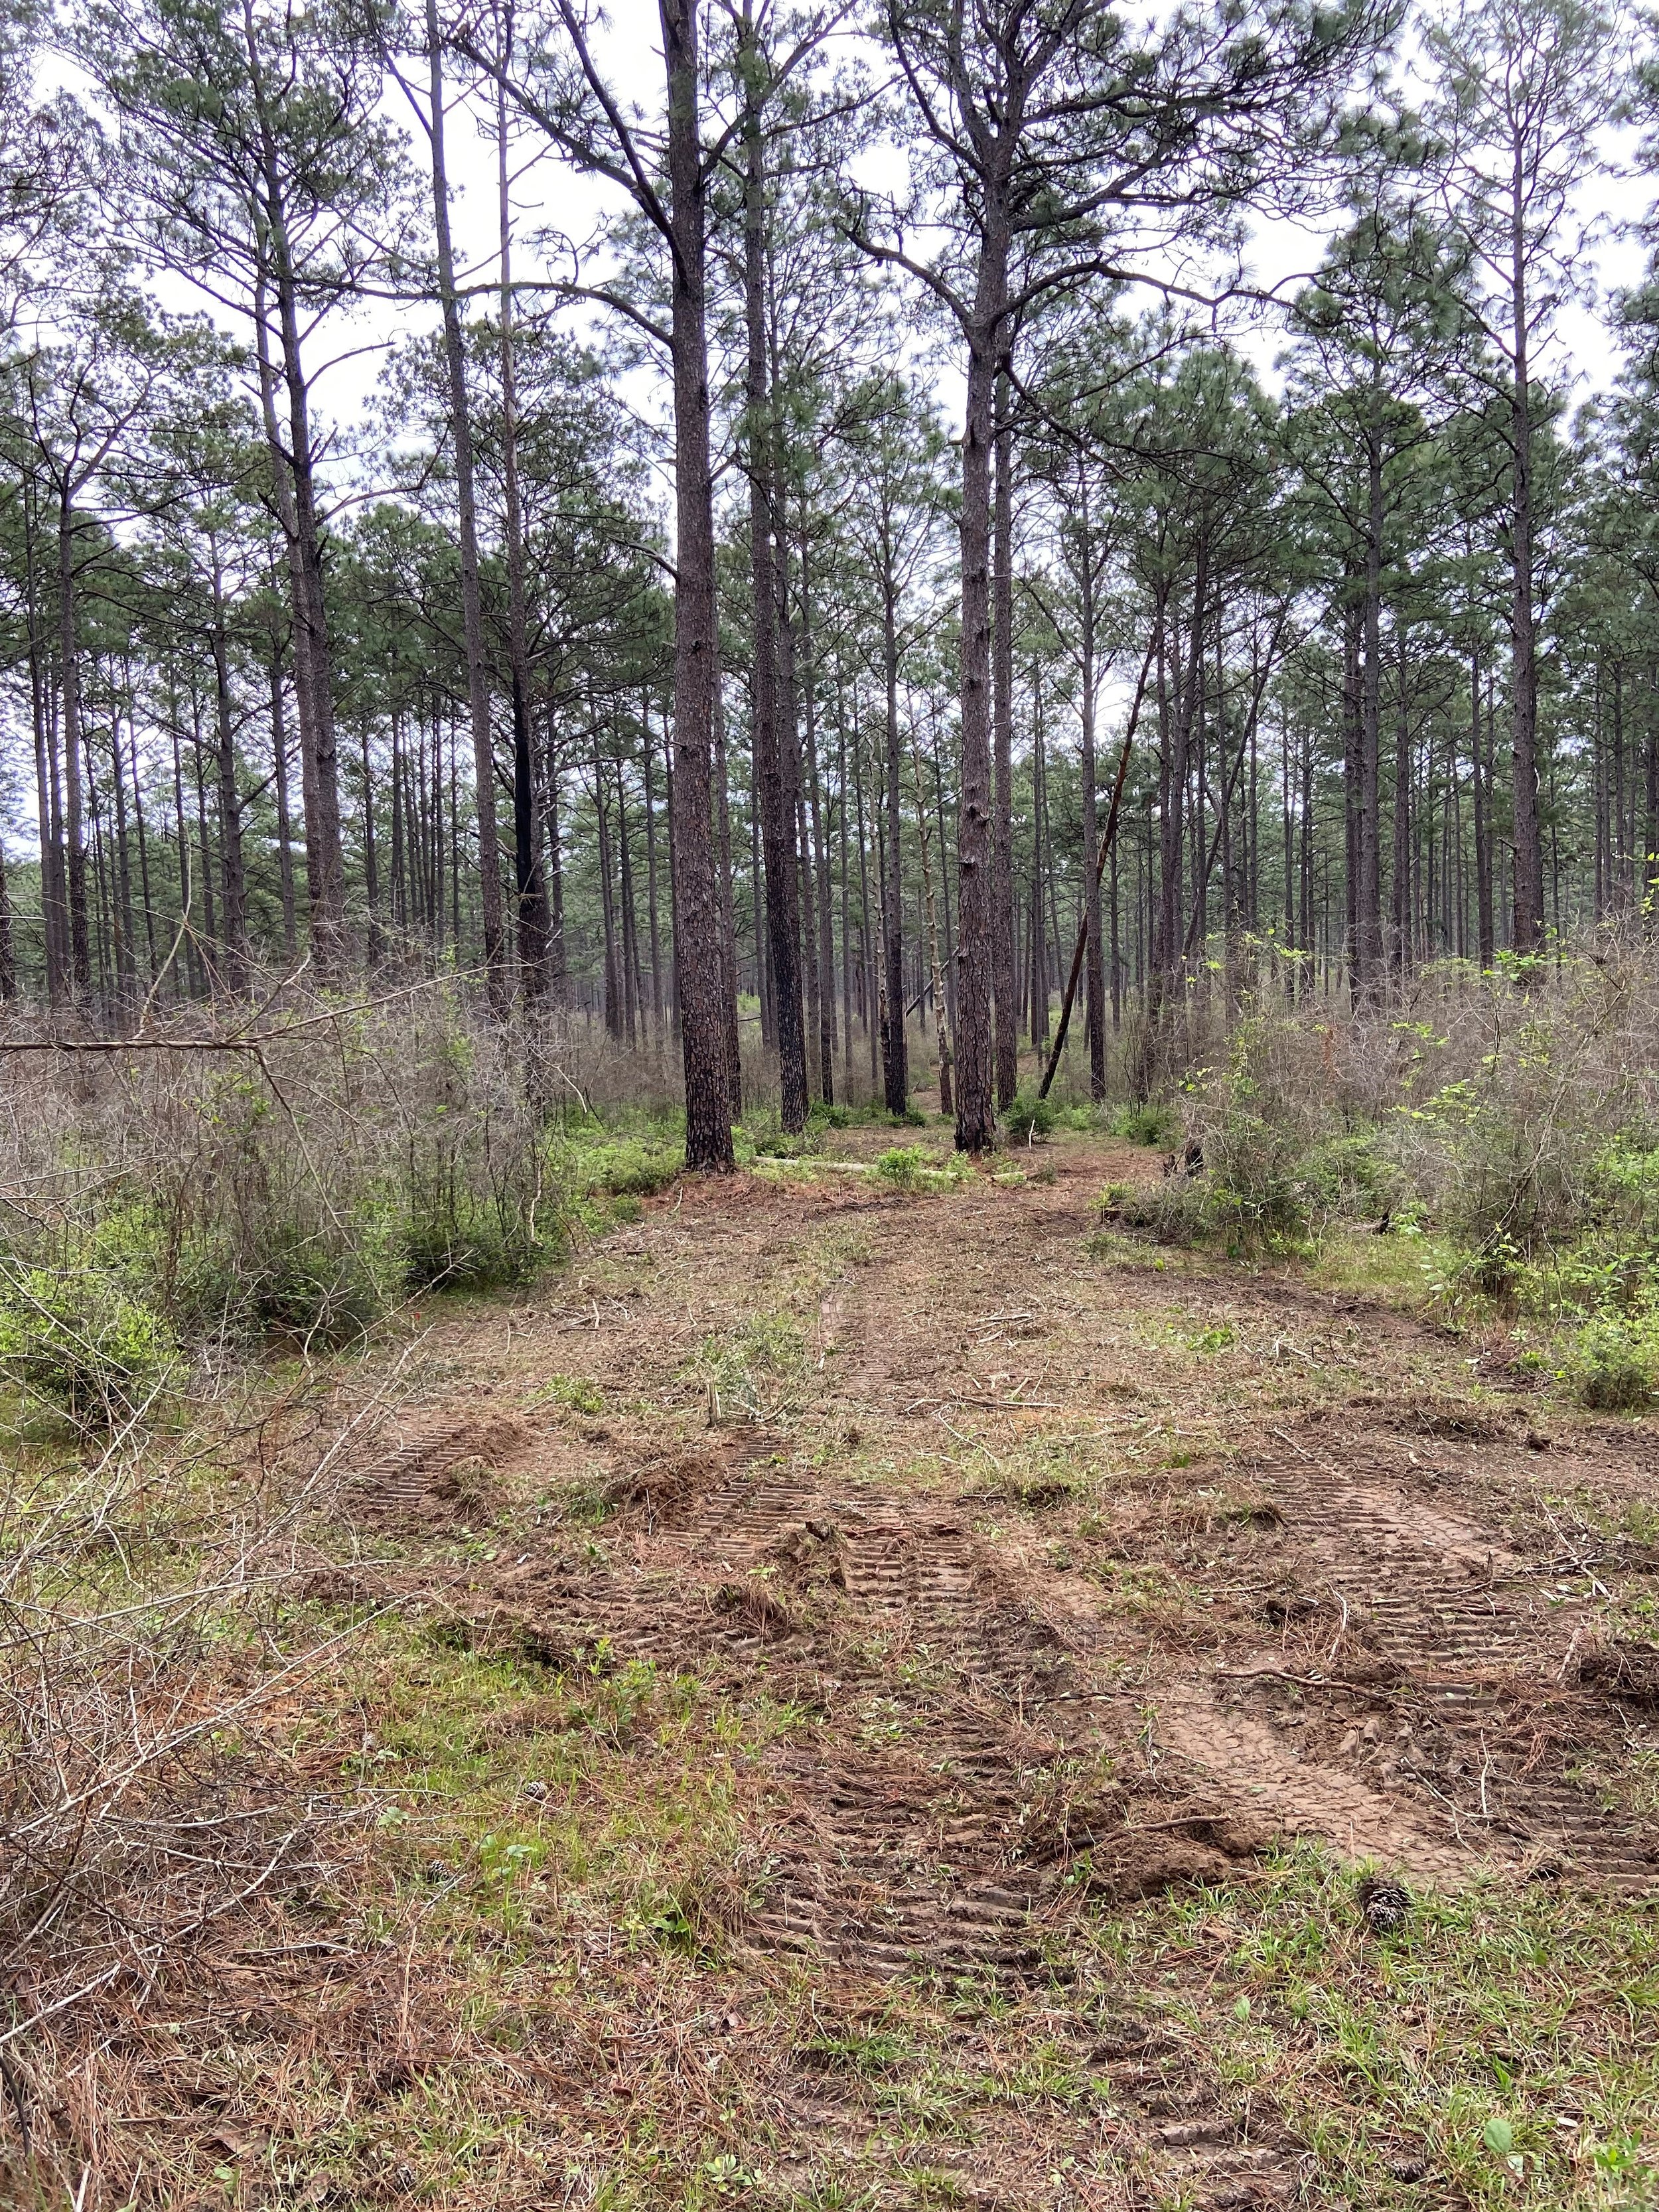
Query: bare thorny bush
{"x": 1516, "y": 1115}
{"x": 151, "y": 1811}
{"x": 298, "y": 1173}
{"x": 166, "y": 1211}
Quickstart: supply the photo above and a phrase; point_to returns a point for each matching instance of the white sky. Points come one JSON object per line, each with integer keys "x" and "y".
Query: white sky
{"x": 547, "y": 194}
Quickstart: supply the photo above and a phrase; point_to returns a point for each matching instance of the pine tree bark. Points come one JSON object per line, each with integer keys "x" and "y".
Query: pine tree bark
{"x": 69, "y": 697}
{"x": 233, "y": 873}
{"x": 477, "y": 676}
{"x": 766, "y": 738}
{"x": 976, "y": 1103}
{"x": 1368, "y": 941}
{"x": 895, "y": 1059}
{"x": 284, "y": 823}
{"x": 294, "y": 466}
{"x": 697, "y": 927}
{"x": 1528, "y": 936}
{"x": 1094, "y": 976}
{"x": 1004, "y": 991}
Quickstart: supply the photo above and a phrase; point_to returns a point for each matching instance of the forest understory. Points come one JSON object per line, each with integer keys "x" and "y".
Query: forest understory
{"x": 864, "y": 1689}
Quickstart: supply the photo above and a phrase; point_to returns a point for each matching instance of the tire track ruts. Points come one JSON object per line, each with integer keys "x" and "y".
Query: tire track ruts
{"x": 1473, "y": 1633}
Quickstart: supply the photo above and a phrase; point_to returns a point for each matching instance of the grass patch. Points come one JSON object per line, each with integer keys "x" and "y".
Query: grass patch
{"x": 751, "y": 1373}
{"x": 1500, "y": 2046}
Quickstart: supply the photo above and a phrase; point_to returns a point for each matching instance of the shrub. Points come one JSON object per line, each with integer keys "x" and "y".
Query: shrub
{"x": 1153, "y": 1121}
{"x": 1029, "y": 1117}
{"x": 367, "y": 1153}
{"x": 1615, "y": 1364}
{"x": 77, "y": 1340}
{"x": 912, "y": 1168}
{"x": 903, "y": 1166}
{"x": 1349, "y": 1177}
{"x": 1273, "y": 1164}
{"x": 770, "y": 1140}
{"x": 627, "y": 1167}
{"x": 307, "y": 1286}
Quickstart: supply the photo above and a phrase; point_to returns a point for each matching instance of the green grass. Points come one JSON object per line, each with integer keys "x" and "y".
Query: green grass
{"x": 1507, "y": 2040}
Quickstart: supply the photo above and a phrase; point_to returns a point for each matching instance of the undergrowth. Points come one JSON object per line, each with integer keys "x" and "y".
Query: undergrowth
{"x": 1509, "y": 1129}
{"x": 170, "y": 1205}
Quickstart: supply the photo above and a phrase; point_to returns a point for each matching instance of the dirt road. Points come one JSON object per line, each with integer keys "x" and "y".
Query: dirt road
{"x": 1107, "y": 1603}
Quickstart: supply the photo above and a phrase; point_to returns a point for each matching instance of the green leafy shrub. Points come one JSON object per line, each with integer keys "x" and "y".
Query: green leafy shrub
{"x": 1152, "y": 1121}
{"x": 913, "y": 1168}
{"x": 78, "y": 1340}
{"x": 1615, "y": 1364}
{"x": 1270, "y": 1165}
{"x": 627, "y": 1167}
{"x": 903, "y": 1166}
{"x": 309, "y": 1287}
{"x": 1029, "y": 1117}
{"x": 1350, "y": 1177}
{"x": 770, "y": 1140}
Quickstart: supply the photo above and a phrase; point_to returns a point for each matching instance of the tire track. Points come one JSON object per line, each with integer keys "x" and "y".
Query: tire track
{"x": 1473, "y": 1637}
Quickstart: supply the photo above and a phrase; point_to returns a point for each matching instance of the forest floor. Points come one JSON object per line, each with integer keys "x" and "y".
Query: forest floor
{"x": 861, "y": 1698}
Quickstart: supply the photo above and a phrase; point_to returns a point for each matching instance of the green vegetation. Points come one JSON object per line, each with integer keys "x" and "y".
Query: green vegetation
{"x": 913, "y": 1168}
{"x": 1502, "y": 1161}
{"x": 1029, "y": 1117}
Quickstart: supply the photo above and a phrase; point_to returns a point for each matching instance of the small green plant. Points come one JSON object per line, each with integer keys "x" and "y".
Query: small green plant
{"x": 1616, "y": 1364}
{"x": 1222, "y": 1338}
{"x": 627, "y": 1167}
{"x": 903, "y": 1166}
{"x": 741, "y": 1372}
{"x": 574, "y": 1392}
{"x": 1149, "y": 1121}
{"x": 1029, "y": 1117}
{"x": 81, "y": 1343}
{"x": 912, "y": 1168}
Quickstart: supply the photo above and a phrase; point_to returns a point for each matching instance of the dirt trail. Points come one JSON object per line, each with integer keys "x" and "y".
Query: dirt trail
{"x": 1436, "y": 1704}
{"x": 1071, "y": 1609}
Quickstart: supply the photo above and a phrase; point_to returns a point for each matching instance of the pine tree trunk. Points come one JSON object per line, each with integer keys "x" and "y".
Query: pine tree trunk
{"x": 1523, "y": 671}
{"x": 1094, "y": 978}
{"x": 69, "y": 694}
{"x": 975, "y": 1105}
{"x": 530, "y": 881}
{"x": 896, "y": 1069}
{"x": 652, "y": 916}
{"x": 477, "y": 679}
{"x": 697, "y": 927}
{"x": 768, "y": 736}
{"x": 1004, "y": 993}
{"x": 1368, "y": 943}
{"x": 1480, "y": 789}
{"x": 1403, "y": 919}
{"x": 54, "y": 903}
{"x": 728, "y": 924}
{"x": 284, "y": 822}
